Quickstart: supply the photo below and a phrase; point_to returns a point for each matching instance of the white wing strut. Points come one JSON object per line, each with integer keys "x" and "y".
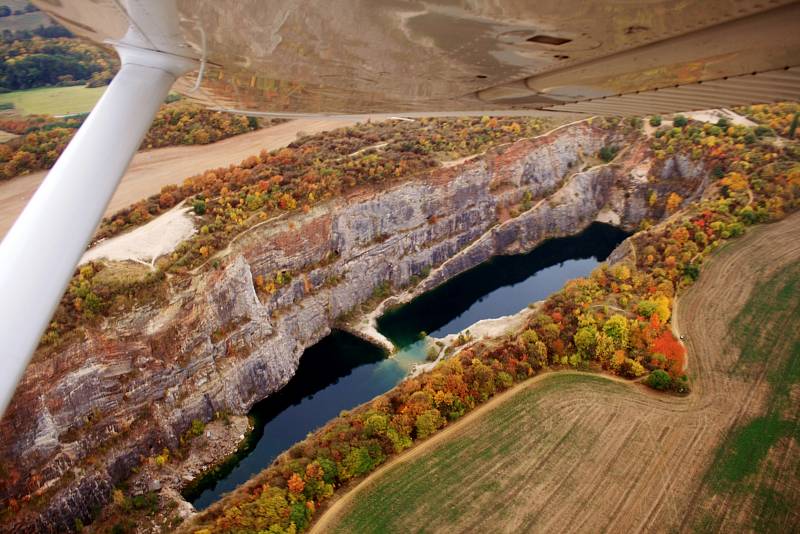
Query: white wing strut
{"x": 39, "y": 253}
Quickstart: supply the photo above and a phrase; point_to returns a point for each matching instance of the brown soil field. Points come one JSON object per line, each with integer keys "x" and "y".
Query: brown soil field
{"x": 570, "y": 452}
{"x": 151, "y": 170}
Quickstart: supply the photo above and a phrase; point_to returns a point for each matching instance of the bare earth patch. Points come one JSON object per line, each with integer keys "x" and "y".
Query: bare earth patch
{"x": 713, "y": 115}
{"x": 148, "y": 242}
{"x": 577, "y": 453}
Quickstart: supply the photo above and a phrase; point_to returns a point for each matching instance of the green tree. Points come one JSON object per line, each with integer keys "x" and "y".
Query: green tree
{"x": 199, "y": 206}
{"x": 691, "y": 271}
{"x": 358, "y": 462}
{"x": 300, "y": 515}
{"x": 659, "y": 379}
{"x": 646, "y": 308}
{"x": 607, "y": 153}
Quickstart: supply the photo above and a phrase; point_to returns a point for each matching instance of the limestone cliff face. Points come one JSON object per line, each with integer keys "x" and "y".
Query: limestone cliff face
{"x": 82, "y": 419}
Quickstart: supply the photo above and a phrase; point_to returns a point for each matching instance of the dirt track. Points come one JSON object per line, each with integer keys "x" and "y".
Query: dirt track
{"x": 151, "y": 170}
{"x": 583, "y": 457}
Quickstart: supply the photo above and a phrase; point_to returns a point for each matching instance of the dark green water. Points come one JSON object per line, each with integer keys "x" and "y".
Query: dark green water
{"x": 341, "y": 371}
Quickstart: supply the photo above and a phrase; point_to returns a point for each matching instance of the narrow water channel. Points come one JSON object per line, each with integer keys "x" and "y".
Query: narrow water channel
{"x": 342, "y": 371}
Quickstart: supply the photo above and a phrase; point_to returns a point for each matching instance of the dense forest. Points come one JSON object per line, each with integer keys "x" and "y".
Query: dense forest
{"x": 45, "y": 62}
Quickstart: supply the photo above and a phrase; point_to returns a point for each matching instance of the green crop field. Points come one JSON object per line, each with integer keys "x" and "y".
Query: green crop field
{"x": 466, "y": 480}
{"x": 54, "y": 100}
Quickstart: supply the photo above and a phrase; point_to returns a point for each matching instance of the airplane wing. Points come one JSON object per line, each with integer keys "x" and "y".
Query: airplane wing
{"x": 321, "y": 57}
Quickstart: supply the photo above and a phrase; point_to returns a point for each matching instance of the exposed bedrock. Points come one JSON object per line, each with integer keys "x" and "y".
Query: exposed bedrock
{"x": 82, "y": 418}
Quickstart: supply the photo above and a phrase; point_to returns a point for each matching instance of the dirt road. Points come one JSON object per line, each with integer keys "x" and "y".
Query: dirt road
{"x": 151, "y": 170}
{"x": 583, "y": 456}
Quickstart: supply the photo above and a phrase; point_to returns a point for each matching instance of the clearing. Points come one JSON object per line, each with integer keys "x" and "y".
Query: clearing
{"x": 581, "y": 453}
{"x": 6, "y": 136}
{"x": 54, "y": 100}
{"x": 148, "y": 242}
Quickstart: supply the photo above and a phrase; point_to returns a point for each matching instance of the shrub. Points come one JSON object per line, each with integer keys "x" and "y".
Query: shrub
{"x": 680, "y": 121}
{"x": 655, "y": 121}
{"x": 691, "y": 271}
{"x": 432, "y": 353}
{"x": 659, "y": 379}
{"x": 197, "y": 428}
{"x": 199, "y": 206}
{"x": 607, "y": 153}
{"x": 763, "y": 131}
{"x": 163, "y": 458}
{"x": 92, "y": 303}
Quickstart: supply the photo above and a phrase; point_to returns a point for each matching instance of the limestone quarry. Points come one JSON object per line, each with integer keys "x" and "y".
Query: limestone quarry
{"x": 86, "y": 417}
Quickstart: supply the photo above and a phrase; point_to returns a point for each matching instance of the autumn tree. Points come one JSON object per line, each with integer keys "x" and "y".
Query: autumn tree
{"x": 616, "y": 328}
{"x": 672, "y": 349}
{"x": 585, "y": 340}
{"x": 534, "y": 347}
{"x": 605, "y": 348}
{"x": 296, "y": 484}
{"x": 673, "y": 202}
{"x": 428, "y": 422}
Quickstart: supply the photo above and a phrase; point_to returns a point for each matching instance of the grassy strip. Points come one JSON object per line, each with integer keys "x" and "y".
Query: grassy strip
{"x": 54, "y": 100}
{"x": 767, "y": 332}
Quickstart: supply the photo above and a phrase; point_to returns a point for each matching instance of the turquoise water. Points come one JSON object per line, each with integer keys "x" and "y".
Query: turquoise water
{"x": 342, "y": 371}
